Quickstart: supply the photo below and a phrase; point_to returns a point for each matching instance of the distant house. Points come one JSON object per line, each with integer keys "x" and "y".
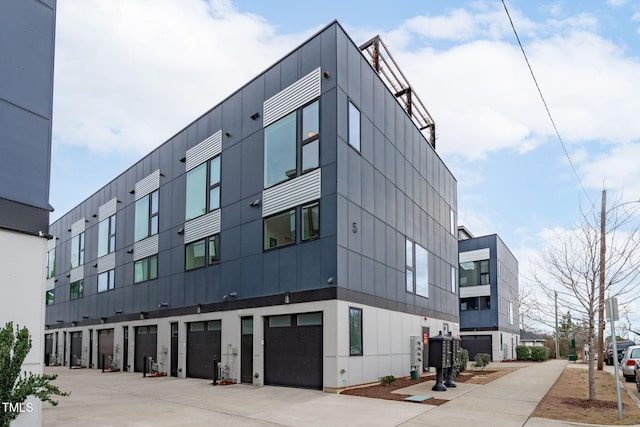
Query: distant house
{"x": 530, "y": 339}
{"x": 488, "y": 277}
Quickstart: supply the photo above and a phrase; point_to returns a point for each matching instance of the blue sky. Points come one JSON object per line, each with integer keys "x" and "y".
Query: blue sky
{"x": 130, "y": 74}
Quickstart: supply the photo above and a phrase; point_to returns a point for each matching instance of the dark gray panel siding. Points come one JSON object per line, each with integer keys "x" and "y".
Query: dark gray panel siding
{"x": 384, "y": 193}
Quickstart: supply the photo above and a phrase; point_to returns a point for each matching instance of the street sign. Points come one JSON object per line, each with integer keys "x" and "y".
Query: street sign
{"x": 609, "y": 306}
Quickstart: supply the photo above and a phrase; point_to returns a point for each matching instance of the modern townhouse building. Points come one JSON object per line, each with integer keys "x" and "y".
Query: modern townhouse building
{"x": 27, "y": 34}
{"x": 489, "y": 294}
{"x": 298, "y": 233}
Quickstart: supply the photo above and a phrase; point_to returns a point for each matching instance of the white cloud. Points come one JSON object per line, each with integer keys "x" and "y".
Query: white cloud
{"x": 483, "y": 98}
{"x": 131, "y": 74}
{"x": 616, "y": 3}
{"x": 616, "y": 168}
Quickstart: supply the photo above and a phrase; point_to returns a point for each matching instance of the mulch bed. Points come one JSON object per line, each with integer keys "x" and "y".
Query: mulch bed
{"x": 590, "y": 404}
{"x": 379, "y": 391}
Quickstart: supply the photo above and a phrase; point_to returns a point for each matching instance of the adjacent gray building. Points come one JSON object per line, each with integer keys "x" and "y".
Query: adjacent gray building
{"x": 27, "y": 34}
{"x": 299, "y": 232}
{"x": 489, "y": 294}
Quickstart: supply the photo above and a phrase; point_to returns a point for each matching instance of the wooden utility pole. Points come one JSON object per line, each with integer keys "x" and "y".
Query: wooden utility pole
{"x": 603, "y": 251}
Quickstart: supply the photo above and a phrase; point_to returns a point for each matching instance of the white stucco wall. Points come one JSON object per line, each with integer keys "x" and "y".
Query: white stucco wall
{"x": 386, "y": 340}
{"x": 22, "y": 280}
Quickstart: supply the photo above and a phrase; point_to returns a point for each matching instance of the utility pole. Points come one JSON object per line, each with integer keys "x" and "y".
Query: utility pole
{"x": 557, "y": 336}
{"x": 603, "y": 251}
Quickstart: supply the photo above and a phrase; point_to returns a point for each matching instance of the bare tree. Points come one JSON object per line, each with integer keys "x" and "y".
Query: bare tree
{"x": 570, "y": 266}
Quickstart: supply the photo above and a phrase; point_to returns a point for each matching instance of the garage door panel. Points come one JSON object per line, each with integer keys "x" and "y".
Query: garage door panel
{"x": 146, "y": 343}
{"x": 475, "y": 344}
{"x": 204, "y": 342}
{"x": 105, "y": 347}
{"x": 293, "y": 354}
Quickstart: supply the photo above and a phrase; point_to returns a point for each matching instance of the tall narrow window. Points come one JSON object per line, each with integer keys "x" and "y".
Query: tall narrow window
{"x": 76, "y": 289}
{"x": 355, "y": 331}
{"x": 146, "y": 216}
{"x": 311, "y": 221}
{"x": 214, "y": 249}
{"x": 280, "y": 150}
{"x": 214, "y": 183}
{"x": 452, "y": 221}
{"x": 203, "y": 189}
{"x": 145, "y": 269}
{"x": 409, "y": 266}
{"x": 107, "y": 236}
{"x": 196, "y": 203}
{"x": 106, "y": 280}
{"x": 310, "y": 140}
{"x": 51, "y": 263}
{"x": 354, "y": 126}
{"x": 51, "y": 297}
{"x": 417, "y": 269}
{"x": 510, "y": 313}
{"x": 77, "y": 250}
{"x": 454, "y": 282}
{"x": 484, "y": 272}
{"x": 422, "y": 271}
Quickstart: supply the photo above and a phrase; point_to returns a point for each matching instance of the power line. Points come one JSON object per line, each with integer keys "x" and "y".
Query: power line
{"x": 546, "y": 107}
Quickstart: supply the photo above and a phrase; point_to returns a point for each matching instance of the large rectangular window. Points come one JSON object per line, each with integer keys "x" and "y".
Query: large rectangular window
{"x": 51, "y": 263}
{"x": 280, "y": 229}
{"x": 107, "y": 236}
{"x": 77, "y": 250}
{"x": 416, "y": 269}
{"x": 145, "y": 269}
{"x": 355, "y": 331}
{"x": 76, "y": 289}
{"x": 292, "y": 145}
{"x": 203, "y": 189}
{"x": 202, "y": 252}
{"x": 106, "y": 280}
{"x": 475, "y": 303}
{"x": 146, "y": 216}
{"x": 195, "y": 255}
{"x": 354, "y": 126}
{"x": 474, "y": 273}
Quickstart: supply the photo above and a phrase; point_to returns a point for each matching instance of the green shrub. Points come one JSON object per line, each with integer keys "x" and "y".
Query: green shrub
{"x": 461, "y": 366}
{"x": 387, "y": 379}
{"x": 482, "y": 360}
{"x": 523, "y": 352}
{"x": 539, "y": 354}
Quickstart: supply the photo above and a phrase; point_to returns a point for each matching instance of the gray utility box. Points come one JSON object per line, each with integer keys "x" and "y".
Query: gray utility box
{"x": 416, "y": 353}
{"x": 440, "y": 351}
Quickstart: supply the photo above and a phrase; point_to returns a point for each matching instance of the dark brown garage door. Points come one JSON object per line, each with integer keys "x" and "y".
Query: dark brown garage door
{"x": 105, "y": 348}
{"x": 204, "y": 341}
{"x": 475, "y": 344}
{"x": 293, "y": 350}
{"x": 146, "y": 343}
{"x": 76, "y": 348}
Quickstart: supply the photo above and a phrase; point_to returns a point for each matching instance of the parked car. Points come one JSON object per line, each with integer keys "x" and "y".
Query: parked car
{"x": 628, "y": 363}
{"x": 621, "y": 347}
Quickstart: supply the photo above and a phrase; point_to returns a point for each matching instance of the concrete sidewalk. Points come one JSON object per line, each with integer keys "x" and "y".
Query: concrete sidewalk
{"x": 127, "y": 399}
{"x": 507, "y": 401}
